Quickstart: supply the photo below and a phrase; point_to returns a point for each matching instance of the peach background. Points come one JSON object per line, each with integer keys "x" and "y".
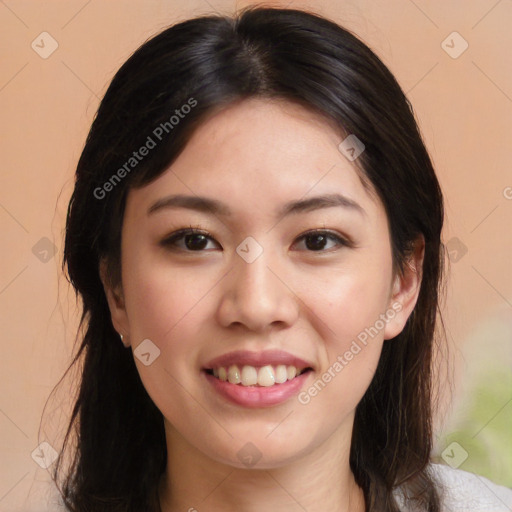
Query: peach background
{"x": 464, "y": 107}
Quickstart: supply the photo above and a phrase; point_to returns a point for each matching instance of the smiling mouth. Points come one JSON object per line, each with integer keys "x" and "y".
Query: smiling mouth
{"x": 254, "y": 376}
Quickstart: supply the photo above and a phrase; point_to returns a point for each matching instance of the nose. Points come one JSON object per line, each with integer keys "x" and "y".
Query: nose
{"x": 258, "y": 295}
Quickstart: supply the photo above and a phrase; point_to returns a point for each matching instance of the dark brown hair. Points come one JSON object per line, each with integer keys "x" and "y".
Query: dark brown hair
{"x": 209, "y": 63}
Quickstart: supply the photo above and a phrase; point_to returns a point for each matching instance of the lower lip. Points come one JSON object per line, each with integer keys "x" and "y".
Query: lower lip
{"x": 258, "y": 396}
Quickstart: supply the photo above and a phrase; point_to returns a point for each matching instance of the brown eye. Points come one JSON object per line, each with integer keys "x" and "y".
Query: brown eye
{"x": 193, "y": 240}
{"x": 317, "y": 241}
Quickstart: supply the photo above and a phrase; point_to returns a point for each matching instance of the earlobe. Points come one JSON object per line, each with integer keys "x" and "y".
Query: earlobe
{"x": 405, "y": 291}
{"x": 116, "y": 304}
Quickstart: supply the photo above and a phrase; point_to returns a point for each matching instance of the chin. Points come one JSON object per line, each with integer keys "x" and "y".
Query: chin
{"x": 259, "y": 454}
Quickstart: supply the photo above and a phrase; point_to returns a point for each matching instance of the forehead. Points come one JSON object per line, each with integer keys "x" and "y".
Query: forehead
{"x": 257, "y": 155}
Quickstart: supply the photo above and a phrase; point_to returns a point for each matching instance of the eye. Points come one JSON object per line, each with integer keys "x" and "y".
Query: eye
{"x": 196, "y": 240}
{"x": 317, "y": 240}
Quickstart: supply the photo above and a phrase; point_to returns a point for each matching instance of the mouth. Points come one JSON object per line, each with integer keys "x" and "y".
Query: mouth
{"x": 257, "y": 376}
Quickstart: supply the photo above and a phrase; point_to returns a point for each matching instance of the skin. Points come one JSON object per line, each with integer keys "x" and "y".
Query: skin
{"x": 255, "y": 156}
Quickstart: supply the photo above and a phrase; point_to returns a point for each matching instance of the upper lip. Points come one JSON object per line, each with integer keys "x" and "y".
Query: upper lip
{"x": 267, "y": 357}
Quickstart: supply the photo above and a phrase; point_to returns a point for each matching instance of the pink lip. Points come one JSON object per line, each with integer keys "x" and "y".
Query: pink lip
{"x": 257, "y": 396}
{"x": 245, "y": 357}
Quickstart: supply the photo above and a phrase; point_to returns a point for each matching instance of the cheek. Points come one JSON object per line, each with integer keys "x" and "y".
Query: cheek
{"x": 349, "y": 303}
{"x": 167, "y": 306}
{"x": 352, "y": 339}
{"x": 162, "y": 300}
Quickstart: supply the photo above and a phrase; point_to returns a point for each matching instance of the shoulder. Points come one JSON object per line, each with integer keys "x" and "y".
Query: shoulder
{"x": 462, "y": 491}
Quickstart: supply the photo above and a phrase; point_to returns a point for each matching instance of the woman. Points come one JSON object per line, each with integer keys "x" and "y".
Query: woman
{"x": 256, "y": 217}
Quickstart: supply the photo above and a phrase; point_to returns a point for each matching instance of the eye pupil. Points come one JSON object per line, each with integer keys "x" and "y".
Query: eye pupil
{"x": 193, "y": 246}
{"x": 316, "y": 246}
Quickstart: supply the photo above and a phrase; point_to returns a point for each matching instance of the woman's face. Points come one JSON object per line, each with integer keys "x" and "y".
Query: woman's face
{"x": 257, "y": 284}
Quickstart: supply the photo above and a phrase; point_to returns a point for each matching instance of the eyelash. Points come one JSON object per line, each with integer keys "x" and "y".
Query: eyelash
{"x": 170, "y": 241}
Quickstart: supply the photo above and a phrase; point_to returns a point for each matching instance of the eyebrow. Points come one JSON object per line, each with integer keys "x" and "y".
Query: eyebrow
{"x": 215, "y": 207}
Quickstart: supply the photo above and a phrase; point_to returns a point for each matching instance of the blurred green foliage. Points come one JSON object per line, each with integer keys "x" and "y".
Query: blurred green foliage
{"x": 485, "y": 430}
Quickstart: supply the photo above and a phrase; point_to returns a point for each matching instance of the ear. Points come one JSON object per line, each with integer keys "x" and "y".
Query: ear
{"x": 116, "y": 305}
{"x": 405, "y": 291}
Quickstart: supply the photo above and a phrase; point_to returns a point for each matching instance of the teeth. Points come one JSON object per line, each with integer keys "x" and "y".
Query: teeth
{"x": 234, "y": 374}
{"x": 249, "y": 376}
{"x": 266, "y": 376}
{"x": 291, "y": 372}
{"x": 281, "y": 374}
{"x": 263, "y": 376}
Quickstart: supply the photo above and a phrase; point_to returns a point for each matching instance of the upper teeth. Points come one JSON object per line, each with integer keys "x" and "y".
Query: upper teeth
{"x": 263, "y": 376}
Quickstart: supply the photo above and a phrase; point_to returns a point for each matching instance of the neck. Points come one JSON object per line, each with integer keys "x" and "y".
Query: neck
{"x": 319, "y": 481}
